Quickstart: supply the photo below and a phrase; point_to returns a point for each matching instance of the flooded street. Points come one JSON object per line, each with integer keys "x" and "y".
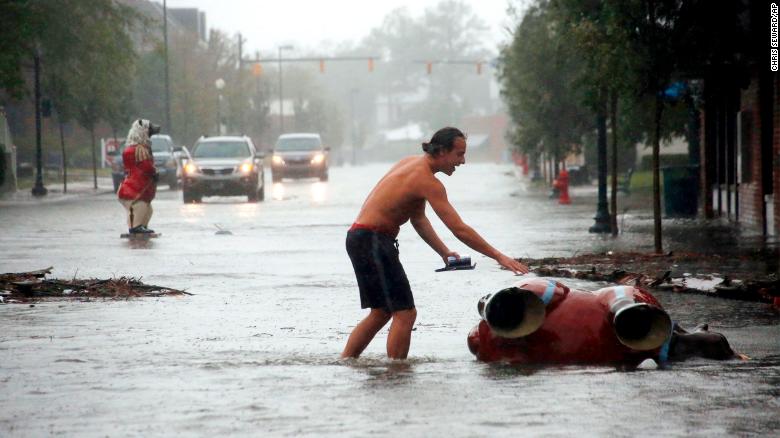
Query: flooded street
{"x": 255, "y": 351}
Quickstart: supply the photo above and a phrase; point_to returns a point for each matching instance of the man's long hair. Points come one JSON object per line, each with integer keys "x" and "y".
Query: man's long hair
{"x": 442, "y": 140}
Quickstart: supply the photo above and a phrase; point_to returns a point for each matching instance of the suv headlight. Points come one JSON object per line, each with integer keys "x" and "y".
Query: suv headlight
{"x": 190, "y": 169}
{"x": 245, "y": 168}
{"x": 318, "y": 158}
{"x": 277, "y": 159}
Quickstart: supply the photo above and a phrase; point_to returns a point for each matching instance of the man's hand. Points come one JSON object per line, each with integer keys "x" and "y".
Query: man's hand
{"x": 450, "y": 254}
{"x": 512, "y": 264}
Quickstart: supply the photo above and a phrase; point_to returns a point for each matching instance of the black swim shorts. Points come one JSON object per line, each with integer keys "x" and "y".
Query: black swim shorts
{"x": 380, "y": 276}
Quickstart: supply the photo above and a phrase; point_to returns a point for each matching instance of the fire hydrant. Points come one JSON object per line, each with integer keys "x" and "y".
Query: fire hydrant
{"x": 521, "y": 161}
{"x": 562, "y": 185}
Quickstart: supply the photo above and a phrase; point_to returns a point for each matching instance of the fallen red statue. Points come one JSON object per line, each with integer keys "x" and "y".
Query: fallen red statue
{"x": 542, "y": 321}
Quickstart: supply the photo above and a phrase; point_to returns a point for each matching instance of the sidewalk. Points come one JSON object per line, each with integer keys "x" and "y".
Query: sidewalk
{"x": 723, "y": 245}
{"x": 76, "y": 189}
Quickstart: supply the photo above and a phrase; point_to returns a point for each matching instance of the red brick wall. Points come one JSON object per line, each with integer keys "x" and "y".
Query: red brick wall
{"x": 750, "y": 196}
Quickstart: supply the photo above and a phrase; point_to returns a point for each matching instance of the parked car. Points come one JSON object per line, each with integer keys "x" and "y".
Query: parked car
{"x": 223, "y": 166}
{"x": 165, "y": 160}
{"x": 300, "y": 155}
{"x": 114, "y": 158}
{"x": 164, "y": 151}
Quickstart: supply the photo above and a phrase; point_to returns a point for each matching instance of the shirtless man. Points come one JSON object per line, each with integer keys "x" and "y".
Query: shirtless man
{"x": 398, "y": 197}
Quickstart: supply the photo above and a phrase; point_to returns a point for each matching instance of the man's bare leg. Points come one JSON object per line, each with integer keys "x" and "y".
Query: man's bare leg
{"x": 400, "y": 333}
{"x": 364, "y": 332}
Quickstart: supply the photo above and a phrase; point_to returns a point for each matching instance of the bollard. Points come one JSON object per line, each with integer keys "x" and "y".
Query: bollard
{"x": 562, "y": 184}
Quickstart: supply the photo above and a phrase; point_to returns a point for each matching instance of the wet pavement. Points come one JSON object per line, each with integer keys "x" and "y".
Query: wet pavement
{"x": 255, "y": 351}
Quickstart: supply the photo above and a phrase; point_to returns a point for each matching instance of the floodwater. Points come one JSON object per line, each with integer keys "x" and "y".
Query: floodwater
{"x": 255, "y": 351}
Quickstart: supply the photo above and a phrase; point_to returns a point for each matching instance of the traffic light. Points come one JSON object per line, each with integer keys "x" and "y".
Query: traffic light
{"x": 257, "y": 69}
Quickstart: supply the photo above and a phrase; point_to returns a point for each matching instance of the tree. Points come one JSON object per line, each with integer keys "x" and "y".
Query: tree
{"x": 26, "y": 24}
{"x": 102, "y": 77}
{"x": 85, "y": 50}
{"x": 538, "y": 73}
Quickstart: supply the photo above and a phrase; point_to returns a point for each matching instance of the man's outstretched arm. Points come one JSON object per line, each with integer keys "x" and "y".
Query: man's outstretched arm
{"x": 437, "y": 197}
{"x": 424, "y": 228}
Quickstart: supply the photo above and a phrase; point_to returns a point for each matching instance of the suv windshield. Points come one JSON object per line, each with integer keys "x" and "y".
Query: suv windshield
{"x": 160, "y": 144}
{"x": 298, "y": 144}
{"x": 221, "y": 149}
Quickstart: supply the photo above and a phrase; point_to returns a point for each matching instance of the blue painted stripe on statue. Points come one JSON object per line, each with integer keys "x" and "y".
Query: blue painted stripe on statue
{"x": 548, "y": 292}
{"x": 620, "y": 292}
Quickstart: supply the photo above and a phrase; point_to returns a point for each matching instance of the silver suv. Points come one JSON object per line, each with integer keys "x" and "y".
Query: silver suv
{"x": 223, "y": 166}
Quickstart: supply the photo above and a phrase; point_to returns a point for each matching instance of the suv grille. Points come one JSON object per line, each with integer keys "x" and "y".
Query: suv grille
{"x": 226, "y": 171}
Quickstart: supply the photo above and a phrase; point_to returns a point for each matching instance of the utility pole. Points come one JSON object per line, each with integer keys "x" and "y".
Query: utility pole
{"x": 281, "y": 92}
{"x": 240, "y": 82}
{"x": 167, "y": 81}
{"x": 38, "y": 189}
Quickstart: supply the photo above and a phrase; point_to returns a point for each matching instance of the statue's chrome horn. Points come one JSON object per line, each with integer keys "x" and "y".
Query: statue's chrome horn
{"x": 512, "y": 312}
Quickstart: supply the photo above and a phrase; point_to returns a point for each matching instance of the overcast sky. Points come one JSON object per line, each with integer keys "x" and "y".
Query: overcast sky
{"x": 266, "y": 24}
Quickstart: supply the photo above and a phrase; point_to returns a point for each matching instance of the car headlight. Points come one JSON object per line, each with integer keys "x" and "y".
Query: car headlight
{"x": 318, "y": 159}
{"x": 246, "y": 168}
{"x": 277, "y": 160}
{"x": 190, "y": 169}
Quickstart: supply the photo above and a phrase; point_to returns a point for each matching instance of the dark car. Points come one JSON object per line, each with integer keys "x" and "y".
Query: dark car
{"x": 165, "y": 160}
{"x": 223, "y": 166}
{"x": 164, "y": 151}
{"x": 299, "y": 156}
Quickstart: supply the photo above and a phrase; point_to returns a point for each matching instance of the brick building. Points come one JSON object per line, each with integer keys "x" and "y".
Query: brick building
{"x": 740, "y": 135}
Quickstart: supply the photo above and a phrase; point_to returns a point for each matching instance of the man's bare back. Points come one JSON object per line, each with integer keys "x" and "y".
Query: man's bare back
{"x": 398, "y": 195}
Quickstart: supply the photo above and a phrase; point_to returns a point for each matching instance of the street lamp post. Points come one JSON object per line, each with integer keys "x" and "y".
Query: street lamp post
{"x": 219, "y": 84}
{"x": 167, "y": 80}
{"x": 38, "y": 189}
{"x": 281, "y": 93}
{"x": 602, "y": 224}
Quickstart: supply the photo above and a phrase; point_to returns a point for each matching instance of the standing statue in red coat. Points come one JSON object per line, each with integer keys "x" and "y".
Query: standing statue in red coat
{"x": 140, "y": 184}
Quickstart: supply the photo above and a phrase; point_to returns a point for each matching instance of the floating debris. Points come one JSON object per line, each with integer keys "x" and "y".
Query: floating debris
{"x": 222, "y": 231}
{"x": 27, "y": 287}
{"x": 655, "y": 271}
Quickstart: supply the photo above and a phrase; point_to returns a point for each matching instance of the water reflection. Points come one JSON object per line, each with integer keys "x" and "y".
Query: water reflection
{"x": 384, "y": 372}
{"x": 140, "y": 243}
{"x": 192, "y": 212}
{"x": 277, "y": 191}
{"x": 319, "y": 192}
{"x": 247, "y": 210}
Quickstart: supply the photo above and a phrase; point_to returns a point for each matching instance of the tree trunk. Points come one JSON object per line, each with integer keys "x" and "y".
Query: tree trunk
{"x": 94, "y": 158}
{"x": 659, "y": 108}
{"x": 601, "y": 224}
{"x": 613, "y": 107}
{"x": 64, "y": 160}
